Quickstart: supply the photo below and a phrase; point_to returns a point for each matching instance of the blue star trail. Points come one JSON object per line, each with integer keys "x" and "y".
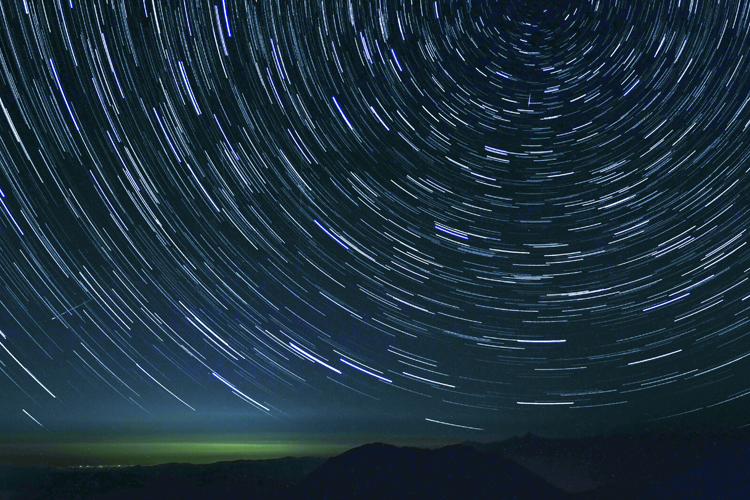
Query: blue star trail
{"x": 495, "y": 216}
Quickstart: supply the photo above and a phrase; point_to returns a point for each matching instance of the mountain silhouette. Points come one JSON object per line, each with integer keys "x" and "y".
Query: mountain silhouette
{"x": 685, "y": 463}
{"x": 635, "y": 465}
{"x": 378, "y": 471}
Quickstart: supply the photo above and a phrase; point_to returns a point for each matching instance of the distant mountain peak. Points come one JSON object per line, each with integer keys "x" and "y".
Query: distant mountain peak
{"x": 379, "y": 470}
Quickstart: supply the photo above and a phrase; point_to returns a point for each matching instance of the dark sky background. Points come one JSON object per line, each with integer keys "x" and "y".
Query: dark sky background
{"x": 400, "y": 217}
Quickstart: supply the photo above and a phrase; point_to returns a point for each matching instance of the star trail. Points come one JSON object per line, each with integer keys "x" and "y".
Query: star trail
{"x": 492, "y": 216}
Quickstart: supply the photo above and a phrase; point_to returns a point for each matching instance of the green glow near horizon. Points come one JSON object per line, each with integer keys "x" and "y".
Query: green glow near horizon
{"x": 159, "y": 452}
{"x": 80, "y": 450}
{"x": 155, "y": 452}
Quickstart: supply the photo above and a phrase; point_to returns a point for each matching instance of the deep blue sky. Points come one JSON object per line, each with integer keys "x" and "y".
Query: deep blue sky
{"x": 420, "y": 218}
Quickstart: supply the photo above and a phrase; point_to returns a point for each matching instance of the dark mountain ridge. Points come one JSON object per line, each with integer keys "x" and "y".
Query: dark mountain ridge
{"x": 630, "y": 465}
{"x": 688, "y": 463}
{"x": 378, "y": 471}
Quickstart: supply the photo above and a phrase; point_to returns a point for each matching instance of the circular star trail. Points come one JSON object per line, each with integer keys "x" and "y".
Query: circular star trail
{"x": 474, "y": 213}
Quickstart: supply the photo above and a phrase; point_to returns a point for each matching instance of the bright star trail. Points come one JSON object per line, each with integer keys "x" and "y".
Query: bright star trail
{"x": 403, "y": 216}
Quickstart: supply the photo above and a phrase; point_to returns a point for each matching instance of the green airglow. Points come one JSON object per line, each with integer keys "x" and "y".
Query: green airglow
{"x": 78, "y": 450}
{"x": 154, "y": 451}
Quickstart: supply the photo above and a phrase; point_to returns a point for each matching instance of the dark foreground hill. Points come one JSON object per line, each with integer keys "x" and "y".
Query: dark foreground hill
{"x": 672, "y": 464}
{"x": 375, "y": 471}
{"x": 259, "y": 479}
{"x": 684, "y": 463}
{"x": 378, "y": 471}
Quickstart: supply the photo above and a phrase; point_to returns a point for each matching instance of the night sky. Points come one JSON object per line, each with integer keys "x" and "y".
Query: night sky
{"x": 388, "y": 217}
